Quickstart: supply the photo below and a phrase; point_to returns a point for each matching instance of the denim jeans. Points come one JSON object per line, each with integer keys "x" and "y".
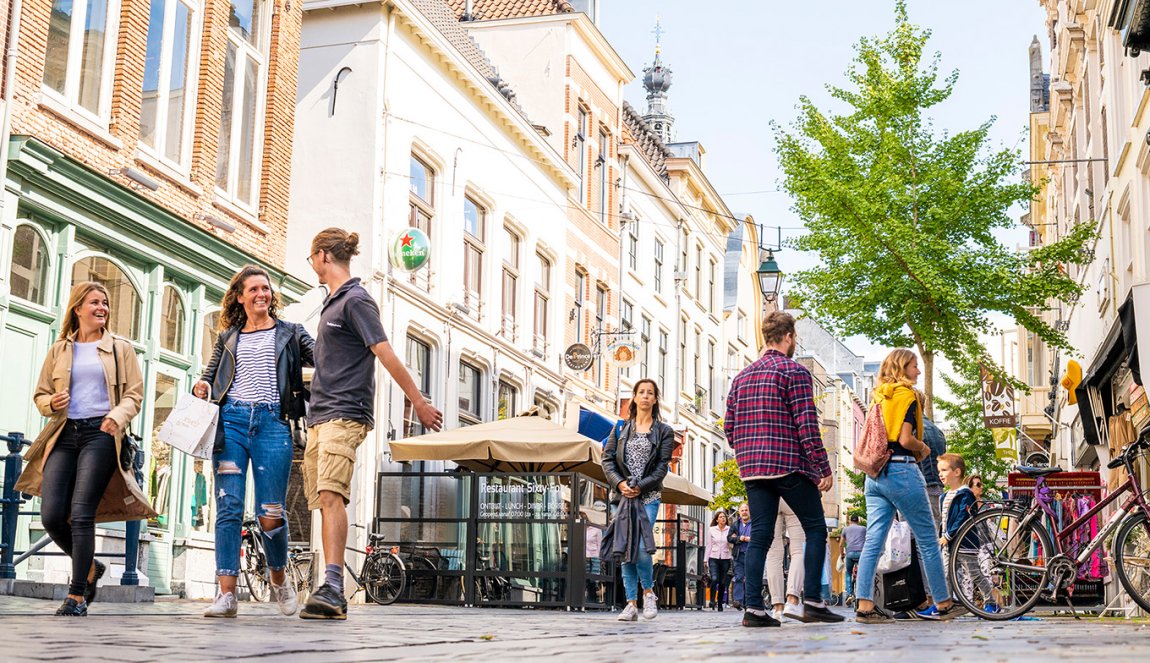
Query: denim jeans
{"x": 253, "y": 433}
{"x": 739, "y": 582}
{"x": 718, "y": 569}
{"x": 900, "y": 488}
{"x": 804, "y": 498}
{"x": 76, "y": 474}
{"x": 641, "y": 570}
{"x": 848, "y": 571}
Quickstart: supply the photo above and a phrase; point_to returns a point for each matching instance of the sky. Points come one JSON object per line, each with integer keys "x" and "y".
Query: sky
{"x": 737, "y": 66}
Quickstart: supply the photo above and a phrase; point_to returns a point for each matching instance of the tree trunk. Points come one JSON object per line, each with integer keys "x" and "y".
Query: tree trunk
{"x": 927, "y": 383}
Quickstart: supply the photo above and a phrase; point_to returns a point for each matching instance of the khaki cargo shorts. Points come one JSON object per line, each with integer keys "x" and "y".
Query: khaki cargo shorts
{"x": 329, "y": 460}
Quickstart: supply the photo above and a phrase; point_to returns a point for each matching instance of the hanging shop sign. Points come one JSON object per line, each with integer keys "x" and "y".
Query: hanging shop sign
{"x": 623, "y": 353}
{"x": 1005, "y": 443}
{"x": 410, "y": 250}
{"x": 578, "y": 357}
{"x": 999, "y": 409}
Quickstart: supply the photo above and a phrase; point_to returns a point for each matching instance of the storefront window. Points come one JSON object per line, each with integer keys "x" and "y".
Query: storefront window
{"x": 125, "y": 302}
{"x": 29, "y": 275}
{"x": 160, "y": 484}
{"x": 211, "y": 334}
{"x": 172, "y": 322}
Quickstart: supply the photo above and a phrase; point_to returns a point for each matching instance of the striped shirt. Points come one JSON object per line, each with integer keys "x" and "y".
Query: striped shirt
{"x": 255, "y": 380}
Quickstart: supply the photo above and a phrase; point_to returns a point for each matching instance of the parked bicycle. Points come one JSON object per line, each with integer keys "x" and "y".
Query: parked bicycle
{"x": 300, "y": 571}
{"x": 383, "y": 575}
{"x": 1021, "y": 562}
{"x": 253, "y": 580}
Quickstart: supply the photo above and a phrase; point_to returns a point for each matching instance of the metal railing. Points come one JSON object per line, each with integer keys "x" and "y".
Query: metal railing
{"x": 11, "y": 500}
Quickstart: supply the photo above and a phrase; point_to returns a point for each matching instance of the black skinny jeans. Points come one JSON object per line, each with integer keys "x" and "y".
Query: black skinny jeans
{"x": 718, "y": 569}
{"x": 76, "y": 475}
{"x": 804, "y": 498}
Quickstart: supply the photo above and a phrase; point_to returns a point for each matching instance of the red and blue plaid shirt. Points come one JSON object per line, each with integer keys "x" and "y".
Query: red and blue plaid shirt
{"x": 772, "y": 423}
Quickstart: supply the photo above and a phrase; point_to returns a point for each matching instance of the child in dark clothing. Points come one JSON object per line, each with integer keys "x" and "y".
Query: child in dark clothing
{"x": 959, "y": 504}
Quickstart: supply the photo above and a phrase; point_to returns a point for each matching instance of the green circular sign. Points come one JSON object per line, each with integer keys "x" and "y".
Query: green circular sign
{"x": 411, "y": 250}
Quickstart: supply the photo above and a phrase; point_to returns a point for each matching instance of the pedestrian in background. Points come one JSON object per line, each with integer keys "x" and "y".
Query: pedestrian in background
{"x": 900, "y": 487}
{"x": 718, "y": 558}
{"x": 773, "y": 426}
{"x": 854, "y": 537}
{"x": 343, "y": 404}
{"x": 958, "y": 506}
{"x": 636, "y": 460}
{"x": 90, "y": 388}
{"x": 739, "y": 536}
{"x": 974, "y": 481}
{"x": 256, "y": 377}
{"x": 786, "y": 549}
{"x": 936, "y": 441}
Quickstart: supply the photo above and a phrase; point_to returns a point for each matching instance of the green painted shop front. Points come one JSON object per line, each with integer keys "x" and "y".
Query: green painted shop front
{"x": 64, "y": 223}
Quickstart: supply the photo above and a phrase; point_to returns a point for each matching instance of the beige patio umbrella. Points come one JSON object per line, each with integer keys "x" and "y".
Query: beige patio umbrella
{"x": 528, "y": 444}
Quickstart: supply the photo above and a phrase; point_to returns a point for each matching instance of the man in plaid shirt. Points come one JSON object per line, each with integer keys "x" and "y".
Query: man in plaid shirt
{"x": 773, "y": 426}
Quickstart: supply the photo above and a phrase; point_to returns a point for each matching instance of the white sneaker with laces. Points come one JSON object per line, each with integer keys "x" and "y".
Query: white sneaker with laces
{"x": 793, "y": 611}
{"x": 650, "y": 606}
{"x": 286, "y": 598}
{"x": 629, "y": 614}
{"x": 223, "y": 606}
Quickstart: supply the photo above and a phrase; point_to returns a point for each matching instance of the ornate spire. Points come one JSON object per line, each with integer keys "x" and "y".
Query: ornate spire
{"x": 657, "y": 80}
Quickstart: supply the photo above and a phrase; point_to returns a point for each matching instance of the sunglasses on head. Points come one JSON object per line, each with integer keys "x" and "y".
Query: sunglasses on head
{"x": 976, "y": 485}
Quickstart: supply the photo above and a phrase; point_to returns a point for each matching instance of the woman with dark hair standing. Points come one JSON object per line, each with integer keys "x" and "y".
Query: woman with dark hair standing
{"x": 256, "y": 376}
{"x": 635, "y": 461}
{"x": 718, "y": 558}
{"x": 90, "y": 388}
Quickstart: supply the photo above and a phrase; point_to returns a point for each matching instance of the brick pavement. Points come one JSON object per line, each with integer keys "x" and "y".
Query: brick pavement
{"x": 174, "y": 631}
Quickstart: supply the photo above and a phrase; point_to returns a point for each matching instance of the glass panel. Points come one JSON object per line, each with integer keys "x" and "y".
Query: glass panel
{"x": 92, "y": 57}
{"x": 421, "y": 179}
{"x": 544, "y": 273}
{"x": 223, "y": 159}
{"x": 29, "y": 275}
{"x": 540, "y": 317}
{"x": 160, "y": 483}
{"x": 508, "y": 397}
{"x": 245, "y": 186}
{"x": 509, "y": 281}
{"x": 419, "y": 365}
{"x": 203, "y": 508}
{"x": 178, "y": 88}
{"x": 124, "y": 318}
{"x": 421, "y": 498}
{"x": 172, "y": 321}
{"x": 468, "y": 390}
{"x": 211, "y": 334}
{"x": 472, "y": 270}
{"x": 511, "y": 250}
{"x": 245, "y": 19}
{"x": 56, "y": 56}
{"x": 149, "y": 108}
{"x": 473, "y": 218}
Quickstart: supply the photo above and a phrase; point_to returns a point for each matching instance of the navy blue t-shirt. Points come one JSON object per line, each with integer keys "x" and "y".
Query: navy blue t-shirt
{"x": 343, "y": 385}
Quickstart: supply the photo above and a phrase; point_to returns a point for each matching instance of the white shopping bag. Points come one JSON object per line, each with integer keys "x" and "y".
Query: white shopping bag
{"x": 896, "y": 551}
{"x": 191, "y": 426}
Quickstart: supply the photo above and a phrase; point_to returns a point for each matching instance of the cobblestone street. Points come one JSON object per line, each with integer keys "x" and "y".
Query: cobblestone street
{"x": 174, "y": 631}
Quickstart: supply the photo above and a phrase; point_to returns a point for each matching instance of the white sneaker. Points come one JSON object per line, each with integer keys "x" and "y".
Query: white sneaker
{"x": 629, "y": 614}
{"x": 777, "y": 614}
{"x": 285, "y": 596}
{"x": 223, "y": 606}
{"x": 795, "y": 612}
{"x": 650, "y": 606}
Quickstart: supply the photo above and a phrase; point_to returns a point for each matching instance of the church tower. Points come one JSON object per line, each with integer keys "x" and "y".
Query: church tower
{"x": 657, "y": 80}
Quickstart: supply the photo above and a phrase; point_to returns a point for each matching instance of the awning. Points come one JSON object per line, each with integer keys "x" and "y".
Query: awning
{"x": 595, "y": 425}
{"x": 1094, "y": 395}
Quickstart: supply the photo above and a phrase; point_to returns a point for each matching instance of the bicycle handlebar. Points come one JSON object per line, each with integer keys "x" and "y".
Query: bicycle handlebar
{"x": 1128, "y": 452}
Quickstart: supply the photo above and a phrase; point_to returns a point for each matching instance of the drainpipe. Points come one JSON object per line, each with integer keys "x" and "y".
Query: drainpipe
{"x": 677, "y": 322}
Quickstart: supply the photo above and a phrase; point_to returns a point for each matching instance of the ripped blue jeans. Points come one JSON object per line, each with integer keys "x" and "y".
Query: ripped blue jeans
{"x": 253, "y": 433}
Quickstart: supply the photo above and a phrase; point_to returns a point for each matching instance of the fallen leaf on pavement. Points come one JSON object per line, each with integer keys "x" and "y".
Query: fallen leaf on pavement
{"x": 487, "y": 636}
{"x": 980, "y": 637}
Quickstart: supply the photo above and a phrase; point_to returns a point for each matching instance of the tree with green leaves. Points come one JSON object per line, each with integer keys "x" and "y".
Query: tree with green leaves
{"x": 903, "y": 217}
{"x": 856, "y": 503}
{"x": 731, "y": 489}
{"x": 966, "y": 434}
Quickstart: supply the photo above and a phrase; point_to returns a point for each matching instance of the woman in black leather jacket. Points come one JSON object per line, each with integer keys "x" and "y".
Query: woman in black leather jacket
{"x": 256, "y": 376}
{"x": 636, "y": 460}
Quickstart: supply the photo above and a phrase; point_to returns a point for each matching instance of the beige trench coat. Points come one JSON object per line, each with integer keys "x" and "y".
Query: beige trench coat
{"x": 123, "y": 499}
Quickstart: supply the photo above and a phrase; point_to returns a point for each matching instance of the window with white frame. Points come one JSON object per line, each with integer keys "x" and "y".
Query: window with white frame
{"x": 510, "y": 281}
{"x": 166, "y": 110}
{"x": 664, "y": 346}
{"x": 699, "y": 273}
{"x": 741, "y": 326}
{"x": 633, "y": 244}
{"x": 172, "y": 321}
{"x": 626, "y": 324}
{"x": 601, "y": 164}
{"x": 508, "y": 400}
{"x": 659, "y": 266}
{"x": 470, "y": 394}
{"x": 80, "y": 54}
{"x": 600, "y": 320}
{"x": 542, "y": 302}
{"x": 418, "y": 363}
{"x": 580, "y": 294}
{"x": 28, "y": 277}
{"x": 474, "y": 223}
{"x": 711, "y": 288}
{"x": 683, "y": 354}
{"x": 580, "y": 146}
{"x": 241, "y": 127}
{"x": 698, "y": 365}
{"x": 644, "y": 346}
{"x": 709, "y": 384}
{"x": 421, "y": 208}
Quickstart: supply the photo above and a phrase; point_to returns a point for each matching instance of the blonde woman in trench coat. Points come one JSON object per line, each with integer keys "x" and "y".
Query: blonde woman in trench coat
{"x": 74, "y": 463}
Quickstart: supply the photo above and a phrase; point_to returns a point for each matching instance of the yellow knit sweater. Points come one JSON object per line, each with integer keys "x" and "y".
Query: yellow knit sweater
{"x": 896, "y": 399}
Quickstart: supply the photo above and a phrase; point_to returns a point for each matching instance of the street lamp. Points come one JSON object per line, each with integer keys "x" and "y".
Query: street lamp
{"x": 770, "y": 277}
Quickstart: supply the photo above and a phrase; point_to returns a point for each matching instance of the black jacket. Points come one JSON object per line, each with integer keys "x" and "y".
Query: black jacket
{"x": 662, "y": 437}
{"x": 627, "y": 531}
{"x": 294, "y": 348}
{"x": 737, "y": 547}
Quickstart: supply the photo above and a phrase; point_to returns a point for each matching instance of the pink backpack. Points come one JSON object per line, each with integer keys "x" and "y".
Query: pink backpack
{"x": 872, "y": 453}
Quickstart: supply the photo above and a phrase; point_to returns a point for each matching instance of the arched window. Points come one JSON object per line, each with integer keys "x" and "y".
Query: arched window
{"x": 122, "y": 296}
{"x": 172, "y": 321}
{"x": 211, "y": 333}
{"x": 29, "y": 275}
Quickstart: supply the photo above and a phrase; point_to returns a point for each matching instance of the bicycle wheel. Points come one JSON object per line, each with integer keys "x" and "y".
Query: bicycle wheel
{"x": 383, "y": 578}
{"x": 1132, "y": 558}
{"x": 1001, "y": 571}
{"x": 254, "y": 577}
{"x": 301, "y": 570}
